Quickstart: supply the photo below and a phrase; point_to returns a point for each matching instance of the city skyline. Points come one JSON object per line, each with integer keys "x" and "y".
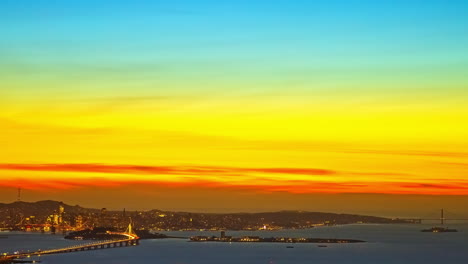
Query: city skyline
{"x": 236, "y": 106}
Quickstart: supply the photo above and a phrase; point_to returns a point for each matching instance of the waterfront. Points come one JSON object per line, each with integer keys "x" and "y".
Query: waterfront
{"x": 386, "y": 244}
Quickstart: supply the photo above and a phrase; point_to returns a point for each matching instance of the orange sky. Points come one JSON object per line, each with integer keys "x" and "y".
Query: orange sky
{"x": 235, "y": 109}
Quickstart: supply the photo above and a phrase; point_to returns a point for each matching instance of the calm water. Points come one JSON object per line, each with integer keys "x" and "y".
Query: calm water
{"x": 386, "y": 244}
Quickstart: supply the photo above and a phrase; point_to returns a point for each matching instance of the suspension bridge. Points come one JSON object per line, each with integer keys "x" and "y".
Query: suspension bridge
{"x": 443, "y": 218}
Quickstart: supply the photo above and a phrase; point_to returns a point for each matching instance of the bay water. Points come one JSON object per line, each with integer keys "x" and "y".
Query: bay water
{"x": 386, "y": 244}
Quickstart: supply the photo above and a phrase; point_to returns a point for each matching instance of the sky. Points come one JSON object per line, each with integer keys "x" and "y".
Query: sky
{"x": 217, "y": 106}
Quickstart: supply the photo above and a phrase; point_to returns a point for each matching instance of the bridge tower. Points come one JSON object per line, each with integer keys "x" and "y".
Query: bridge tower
{"x": 129, "y": 229}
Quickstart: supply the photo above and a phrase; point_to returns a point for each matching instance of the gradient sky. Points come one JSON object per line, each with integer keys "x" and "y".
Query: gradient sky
{"x": 354, "y": 106}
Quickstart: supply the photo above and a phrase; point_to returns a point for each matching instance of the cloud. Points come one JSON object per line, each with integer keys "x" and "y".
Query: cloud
{"x": 253, "y": 180}
{"x": 264, "y": 186}
{"x": 411, "y": 153}
{"x": 453, "y": 186}
{"x": 457, "y": 164}
{"x": 167, "y": 170}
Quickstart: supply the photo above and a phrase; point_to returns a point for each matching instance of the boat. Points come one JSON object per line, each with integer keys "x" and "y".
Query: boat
{"x": 440, "y": 229}
{"x": 322, "y": 246}
{"x": 289, "y": 247}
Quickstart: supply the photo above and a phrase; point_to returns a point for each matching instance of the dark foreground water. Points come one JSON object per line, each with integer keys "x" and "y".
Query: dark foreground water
{"x": 386, "y": 244}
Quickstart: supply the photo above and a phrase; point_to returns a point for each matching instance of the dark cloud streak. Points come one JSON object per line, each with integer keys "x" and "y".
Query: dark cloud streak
{"x": 164, "y": 170}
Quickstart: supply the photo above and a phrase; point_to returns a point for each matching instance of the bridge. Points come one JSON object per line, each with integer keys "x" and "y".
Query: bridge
{"x": 130, "y": 239}
{"x": 442, "y": 218}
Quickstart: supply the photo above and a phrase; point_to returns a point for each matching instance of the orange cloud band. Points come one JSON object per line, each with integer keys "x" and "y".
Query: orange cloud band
{"x": 175, "y": 170}
{"x": 255, "y": 184}
{"x": 295, "y": 187}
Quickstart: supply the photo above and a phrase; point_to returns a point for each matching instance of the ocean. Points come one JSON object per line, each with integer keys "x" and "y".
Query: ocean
{"x": 386, "y": 244}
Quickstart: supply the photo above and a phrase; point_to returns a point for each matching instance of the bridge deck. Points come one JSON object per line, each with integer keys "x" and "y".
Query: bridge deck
{"x": 131, "y": 240}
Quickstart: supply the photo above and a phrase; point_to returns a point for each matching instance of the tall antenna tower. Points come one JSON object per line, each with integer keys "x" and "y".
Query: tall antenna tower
{"x": 19, "y": 194}
{"x": 442, "y": 218}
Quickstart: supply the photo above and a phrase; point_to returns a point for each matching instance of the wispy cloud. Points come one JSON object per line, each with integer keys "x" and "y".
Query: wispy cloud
{"x": 264, "y": 186}
{"x": 411, "y": 153}
{"x": 453, "y": 186}
{"x": 239, "y": 179}
{"x": 168, "y": 170}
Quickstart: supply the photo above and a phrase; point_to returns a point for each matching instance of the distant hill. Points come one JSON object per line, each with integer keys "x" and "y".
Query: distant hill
{"x": 284, "y": 217}
{"x": 13, "y": 213}
{"x": 46, "y": 206}
{"x": 16, "y": 212}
